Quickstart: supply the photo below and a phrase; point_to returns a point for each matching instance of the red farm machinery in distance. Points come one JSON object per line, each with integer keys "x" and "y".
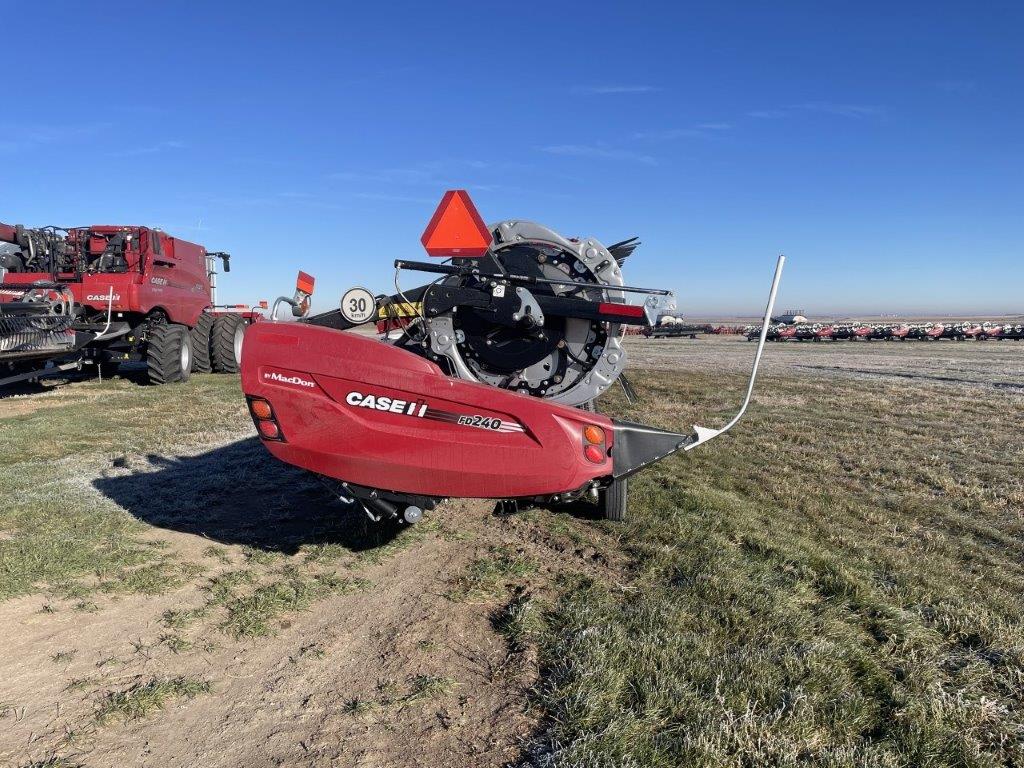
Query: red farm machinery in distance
{"x": 107, "y": 295}
{"x": 901, "y": 331}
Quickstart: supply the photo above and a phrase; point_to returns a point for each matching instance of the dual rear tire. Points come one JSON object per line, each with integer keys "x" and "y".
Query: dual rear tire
{"x": 226, "y": 342}
{"x": 168, "y": 353}
{"x": 201, "y": 359}
{"x": 214, "y": 344}
{"x": 217, "y": 341}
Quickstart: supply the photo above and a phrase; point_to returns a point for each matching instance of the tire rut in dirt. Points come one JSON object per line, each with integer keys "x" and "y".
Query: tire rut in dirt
{"x": 222, "y": 342}
{"x": 201, "y": 359}
{"x": 164, "y": 353}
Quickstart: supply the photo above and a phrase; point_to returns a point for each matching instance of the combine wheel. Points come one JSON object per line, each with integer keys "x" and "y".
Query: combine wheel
{"x": 168, "y": 353}
{"x": 226, "y": 342}
{"x": 612, "y": 500}
{"x": 201, "y": 344}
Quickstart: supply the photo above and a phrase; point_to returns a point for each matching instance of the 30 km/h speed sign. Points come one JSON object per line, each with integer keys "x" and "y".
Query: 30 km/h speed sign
{"x": 358, "y": 306}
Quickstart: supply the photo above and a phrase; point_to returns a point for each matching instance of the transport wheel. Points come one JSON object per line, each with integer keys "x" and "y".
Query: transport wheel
{"x": 226, "y": 342}
{"x": 612, "y": 500}
{"x": 168, "y": 353}
{"x": 201, "y": 344}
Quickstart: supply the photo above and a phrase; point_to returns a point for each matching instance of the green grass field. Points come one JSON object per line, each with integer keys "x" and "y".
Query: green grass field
{"x": 841, "y": 582}
{"x": 838, "y": 582}
{"x": 56, "y": 528}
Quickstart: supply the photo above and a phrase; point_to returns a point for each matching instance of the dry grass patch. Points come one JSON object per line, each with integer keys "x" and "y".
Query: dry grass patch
{"x": 840, "y": 582}
{"x": 144, "y": 698}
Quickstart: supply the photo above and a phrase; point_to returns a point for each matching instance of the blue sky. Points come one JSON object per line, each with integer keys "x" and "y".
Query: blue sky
{"x": 879, "y": 145}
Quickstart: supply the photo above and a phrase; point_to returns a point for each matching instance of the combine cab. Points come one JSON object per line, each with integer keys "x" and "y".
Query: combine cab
{"x": 106, "y": 295}
{"x": 487, "y": 390}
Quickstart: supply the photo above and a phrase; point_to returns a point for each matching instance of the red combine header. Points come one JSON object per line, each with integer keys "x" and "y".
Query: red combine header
{"x": 483, "y": 382}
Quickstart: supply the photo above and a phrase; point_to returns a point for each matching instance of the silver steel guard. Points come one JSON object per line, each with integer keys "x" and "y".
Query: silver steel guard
{"x": 638, "y": 446}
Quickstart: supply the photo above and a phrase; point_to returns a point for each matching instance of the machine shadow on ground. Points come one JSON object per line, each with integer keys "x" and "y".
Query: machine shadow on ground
{"x": 239, "y": 494}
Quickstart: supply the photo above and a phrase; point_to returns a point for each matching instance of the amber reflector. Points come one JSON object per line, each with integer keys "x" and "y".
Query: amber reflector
{"x": 261, "y": 409}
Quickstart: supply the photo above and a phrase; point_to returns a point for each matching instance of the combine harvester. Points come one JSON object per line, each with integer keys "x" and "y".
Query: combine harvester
{"x": 488, "y": 392}
{"x": 106, "y": 295}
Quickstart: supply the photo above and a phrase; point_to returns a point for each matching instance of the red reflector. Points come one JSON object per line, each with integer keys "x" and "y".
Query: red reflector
{"x": 456, "y": 228}
{"x": 305, "y": 283}
{"x": 594, "y": 454}
{"x": 624, "y": 310}
{"x": 269, "y": 430}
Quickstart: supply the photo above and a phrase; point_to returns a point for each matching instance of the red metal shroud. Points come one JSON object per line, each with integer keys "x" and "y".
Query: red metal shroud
{"x": 356, "y": 409}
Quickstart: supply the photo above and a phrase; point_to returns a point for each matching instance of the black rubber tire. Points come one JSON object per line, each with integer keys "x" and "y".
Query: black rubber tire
{"x": 165, "y": 353}
{"x": 612, "y": 500}
{"x": 201, "y": 344}
{"x": 222, "y": 342}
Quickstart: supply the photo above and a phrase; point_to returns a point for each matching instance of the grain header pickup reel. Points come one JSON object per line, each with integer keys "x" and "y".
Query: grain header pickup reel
{"x": 483, "y": 382}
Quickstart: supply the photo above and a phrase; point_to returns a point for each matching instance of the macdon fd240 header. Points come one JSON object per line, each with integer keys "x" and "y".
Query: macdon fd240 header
{"x": 483, "y": 382}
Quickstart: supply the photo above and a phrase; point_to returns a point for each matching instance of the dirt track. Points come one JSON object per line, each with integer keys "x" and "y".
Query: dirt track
{"x": 282, "y": 701}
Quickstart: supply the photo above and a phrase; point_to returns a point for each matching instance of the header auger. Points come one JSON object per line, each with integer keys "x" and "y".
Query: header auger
{"x": 483, "y": 383}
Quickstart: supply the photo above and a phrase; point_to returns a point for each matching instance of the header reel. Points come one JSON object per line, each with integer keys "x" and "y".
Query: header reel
{"x": 536, "y": 313}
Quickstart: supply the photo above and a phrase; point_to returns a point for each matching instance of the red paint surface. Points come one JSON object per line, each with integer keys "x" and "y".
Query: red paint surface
{"x": 316, "y": 370}
{"x": 623, "y": 310}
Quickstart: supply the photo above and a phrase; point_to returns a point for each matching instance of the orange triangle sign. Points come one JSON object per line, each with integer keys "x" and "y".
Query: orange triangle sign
{"x": 456, "y": 228}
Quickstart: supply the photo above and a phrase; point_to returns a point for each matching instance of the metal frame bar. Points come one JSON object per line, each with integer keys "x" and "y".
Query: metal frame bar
{"x": 703, "y": 434}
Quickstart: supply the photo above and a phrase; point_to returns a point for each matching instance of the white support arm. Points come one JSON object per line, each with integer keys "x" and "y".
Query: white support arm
{"x": 703, "y": 434}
